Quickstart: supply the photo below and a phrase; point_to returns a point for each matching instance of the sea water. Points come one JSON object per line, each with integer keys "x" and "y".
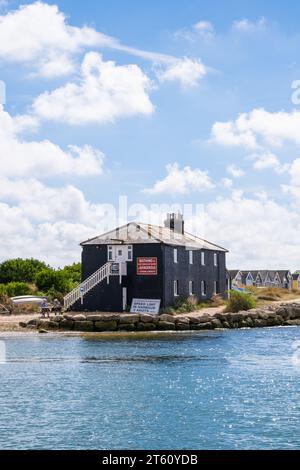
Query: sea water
{"x": 235, "y": 389}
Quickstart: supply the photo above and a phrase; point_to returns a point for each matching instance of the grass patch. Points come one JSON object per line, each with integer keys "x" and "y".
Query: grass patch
{"x": 239, "y": 301}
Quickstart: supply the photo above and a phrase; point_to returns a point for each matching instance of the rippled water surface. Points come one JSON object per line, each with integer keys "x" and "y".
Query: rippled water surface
{"x": 216, "y": 390}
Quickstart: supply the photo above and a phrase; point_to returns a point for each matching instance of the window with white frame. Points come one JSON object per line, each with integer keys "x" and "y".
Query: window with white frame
{"x": 203, "y": 288}
{"x": 175, "y": 255}
{"x": 191, "y": 257}
{"x": 176, "y": 288}
{"x": 191, "y": 287}
{"x": 110, "y": 253}
{"x": 215, "y": 259}
{"x": 202, "y": 258}
{"x": 130, "y": 253}
{"x": 216, "y": 287}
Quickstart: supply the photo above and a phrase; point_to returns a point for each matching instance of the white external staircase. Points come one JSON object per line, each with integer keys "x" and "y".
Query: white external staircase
{"x": 82, "y": 289}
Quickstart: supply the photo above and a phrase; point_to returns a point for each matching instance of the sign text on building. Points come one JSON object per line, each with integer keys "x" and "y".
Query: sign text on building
{"x": 147, "y": 266}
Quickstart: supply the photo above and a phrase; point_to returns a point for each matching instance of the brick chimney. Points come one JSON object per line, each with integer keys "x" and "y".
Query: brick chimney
{"x": 175, "y": 223}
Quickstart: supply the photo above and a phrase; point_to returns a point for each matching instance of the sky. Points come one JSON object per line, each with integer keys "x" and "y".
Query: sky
{"x": 124, "y": 110}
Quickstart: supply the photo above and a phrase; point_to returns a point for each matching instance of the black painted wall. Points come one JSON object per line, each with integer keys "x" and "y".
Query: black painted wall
{"x": 185, "y": 272}
{"x": 108, "y": 297}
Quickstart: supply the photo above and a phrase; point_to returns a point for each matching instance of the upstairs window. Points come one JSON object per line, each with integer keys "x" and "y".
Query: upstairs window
{"x": 191, "y": 257}
{"x": 215, "y": 259}
{"x": 175, "y": 255}
{"x": 110, "y": 253}
{"x": 202, "y": 258}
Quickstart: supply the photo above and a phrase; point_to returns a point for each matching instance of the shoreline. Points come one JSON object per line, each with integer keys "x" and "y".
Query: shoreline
{"x": 210, "y": 318}
{"x": 280, "y": 314}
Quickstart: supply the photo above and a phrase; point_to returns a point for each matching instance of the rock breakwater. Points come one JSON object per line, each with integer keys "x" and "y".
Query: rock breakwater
{"x": 279, "y": 315}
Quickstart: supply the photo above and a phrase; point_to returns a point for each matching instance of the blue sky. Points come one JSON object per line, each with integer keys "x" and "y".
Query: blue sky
{"x": 163, "y": 102}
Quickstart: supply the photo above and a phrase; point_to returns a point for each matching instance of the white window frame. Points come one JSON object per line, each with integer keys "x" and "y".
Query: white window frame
{"x": 191, "y": 288}
{"x": 110, "y": 253}
{"x": 176, "y": 294}
{"x": 215, "y": 291}
{"x": 202, "y": 258}
{"x": 191, "y": 257}
{"x": 175, "y": 254}
{"x": 203, "y": 288}
{"x": 216, "y": 259}
{"x": 129, "y": 252}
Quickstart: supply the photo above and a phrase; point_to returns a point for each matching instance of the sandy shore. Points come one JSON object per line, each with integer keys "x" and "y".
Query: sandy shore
{"x": 11, "y": 322}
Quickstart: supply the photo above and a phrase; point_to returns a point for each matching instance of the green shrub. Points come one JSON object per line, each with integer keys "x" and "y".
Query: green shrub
{"x": 240, "y": 301}
{"x": 50, "y": 279}
{"x": 20, "y": 270}
{"x": 14, "y": 289}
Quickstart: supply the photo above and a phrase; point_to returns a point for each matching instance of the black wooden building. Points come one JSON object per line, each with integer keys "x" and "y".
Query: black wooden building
{"x": 146, "y": 261}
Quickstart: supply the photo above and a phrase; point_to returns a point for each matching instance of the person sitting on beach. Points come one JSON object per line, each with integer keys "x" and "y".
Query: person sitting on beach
{"x": 57, "y": 307}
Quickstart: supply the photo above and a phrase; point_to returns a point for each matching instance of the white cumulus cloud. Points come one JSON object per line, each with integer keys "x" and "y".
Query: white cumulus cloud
{"x": 182, "y": 181}
{"x": 235, "y": 171}
{"x": 22, "y": 158}
{"x": 104, "y": 92}
{"x": 187, "y": 71}
{"x": 258, "y": 128}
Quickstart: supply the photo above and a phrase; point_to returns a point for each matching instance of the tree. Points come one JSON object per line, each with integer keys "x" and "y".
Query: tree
{"x": 49, "y": 279}
{"x": 73, "y": 272}
{"x": 20, "y": 270}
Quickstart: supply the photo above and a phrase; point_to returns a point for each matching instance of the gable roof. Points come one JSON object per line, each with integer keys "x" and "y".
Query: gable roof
{"x": 233, "y": 273}
{"x": 137, "y": 233}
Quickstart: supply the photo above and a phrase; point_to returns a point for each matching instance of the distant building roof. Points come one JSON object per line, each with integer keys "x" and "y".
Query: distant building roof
{"x": 137, "y": 233}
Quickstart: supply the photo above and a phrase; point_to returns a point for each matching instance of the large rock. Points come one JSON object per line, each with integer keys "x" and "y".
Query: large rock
{"x": 259, "y": 322}
{"x": 66, "y": 324}
{"x": 283, "y": 313}
{"x": 203, "y": 326}
{"x": 146, "y": 326}
{"x": 252, "y": 314}
{"x": 127, "y": 327}
{"x": 182, "y": 319}
{"x": 263, "y": 315}
{"x": 216, "y": 323}
{"x": 34, "y": 322}
{"x": 83, "y": 326}
{"x": 226, "y": 324}
{"x": 129, "y": 318}
{"x": 167, "y": 318}
{"x": 103, "y": 317}
{"x": 249, "y": 322}
{"x": 106, "y": 325}
{"x": 79, "y": 317}
{"x": 146, "y": 318}
{"x": 295, "y": 322}
{"x": 182, "y": 326}
{"x": 166, "y": 325}
{"x": 58, "y": 318}
{"x": 204, "y": 318}
{"x": 194, "y": 319}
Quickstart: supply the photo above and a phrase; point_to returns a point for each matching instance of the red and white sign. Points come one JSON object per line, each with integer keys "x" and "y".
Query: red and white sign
{"x": 147, "y": 266}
